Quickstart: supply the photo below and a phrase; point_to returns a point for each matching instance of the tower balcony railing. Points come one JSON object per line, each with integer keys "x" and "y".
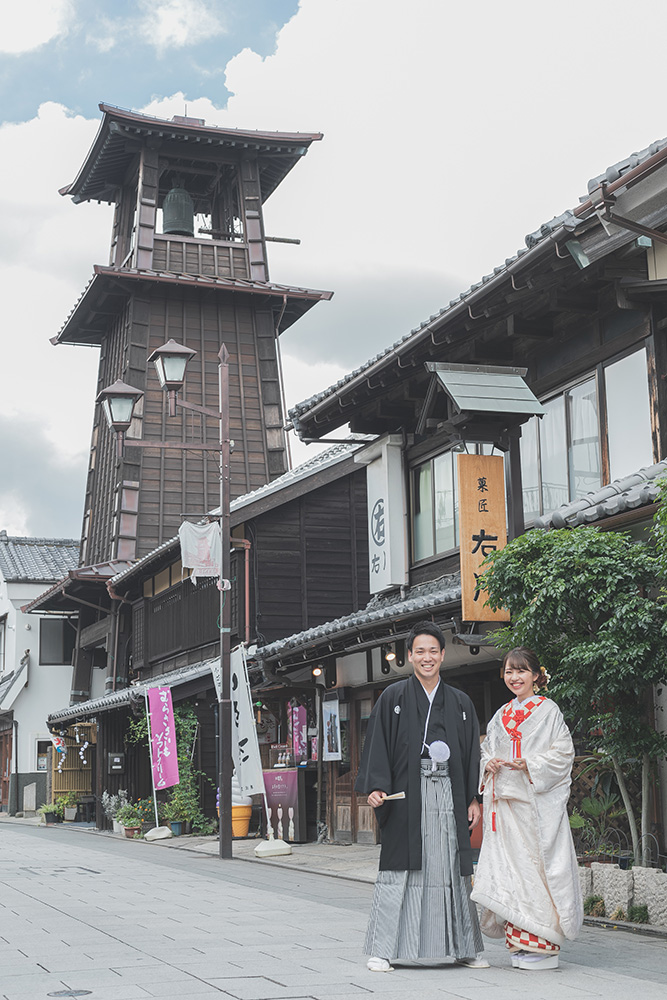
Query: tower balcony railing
{"x": 187, "y": 255}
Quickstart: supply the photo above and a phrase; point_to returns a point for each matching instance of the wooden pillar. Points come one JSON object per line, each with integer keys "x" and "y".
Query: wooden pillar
{"x": 656, "y": 356}
{"x": 515, "y": 521}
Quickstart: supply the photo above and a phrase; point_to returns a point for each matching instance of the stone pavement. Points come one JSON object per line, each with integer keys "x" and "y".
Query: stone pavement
{"x": 125, "y": 919}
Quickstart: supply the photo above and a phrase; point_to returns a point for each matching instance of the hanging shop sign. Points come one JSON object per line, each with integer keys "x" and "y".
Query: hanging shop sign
{"x": 387, "y": 551}
{"x": 482, "y": 528}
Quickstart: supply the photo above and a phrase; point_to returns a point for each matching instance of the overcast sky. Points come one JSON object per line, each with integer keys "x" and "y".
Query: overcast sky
{"x": 451, "y": 131}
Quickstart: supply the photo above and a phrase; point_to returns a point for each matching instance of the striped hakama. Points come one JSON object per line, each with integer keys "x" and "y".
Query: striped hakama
{"x": 427, "y": 914}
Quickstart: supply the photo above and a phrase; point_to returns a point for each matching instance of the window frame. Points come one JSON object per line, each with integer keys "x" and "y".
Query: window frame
{"x": 471, "y": 448}
{"x": 62, "y": 662}
{"x": 598, "y": 373}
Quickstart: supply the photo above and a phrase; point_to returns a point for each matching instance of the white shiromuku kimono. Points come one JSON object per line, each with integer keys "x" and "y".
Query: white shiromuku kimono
{"x": 527, "y": 872}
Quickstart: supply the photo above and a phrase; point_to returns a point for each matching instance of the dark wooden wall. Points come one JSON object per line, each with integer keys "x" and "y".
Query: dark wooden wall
{"x": 171, "y": 483}
{"x": 310, "y": 559}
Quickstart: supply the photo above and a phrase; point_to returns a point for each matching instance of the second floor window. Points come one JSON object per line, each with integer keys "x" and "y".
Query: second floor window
{"x": 571, "y": 451}
{"x": 56, "y": 640}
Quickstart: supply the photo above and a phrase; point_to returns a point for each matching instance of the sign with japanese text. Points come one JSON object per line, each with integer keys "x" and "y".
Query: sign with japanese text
{"x": 387, "y": 543}
{"x": 482, "y": 528}
{"x": 164, "y": 758}
{"x": 245, "y": 745}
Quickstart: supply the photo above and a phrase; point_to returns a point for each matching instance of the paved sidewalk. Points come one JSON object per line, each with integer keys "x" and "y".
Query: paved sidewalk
{"x": 86, "y": 911}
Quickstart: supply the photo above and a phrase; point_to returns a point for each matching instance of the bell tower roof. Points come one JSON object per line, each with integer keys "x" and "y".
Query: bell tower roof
{"x": 122, "y": 133}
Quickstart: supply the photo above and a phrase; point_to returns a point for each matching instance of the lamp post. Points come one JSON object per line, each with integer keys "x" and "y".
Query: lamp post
{"x": 118, "y": 402}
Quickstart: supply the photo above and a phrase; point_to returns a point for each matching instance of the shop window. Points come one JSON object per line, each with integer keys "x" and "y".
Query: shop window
{"x": 628, "y": 415}
{"x": 435, "y": 506}
{"x": 562, "y": 452}
{"x": 56, "y": 641}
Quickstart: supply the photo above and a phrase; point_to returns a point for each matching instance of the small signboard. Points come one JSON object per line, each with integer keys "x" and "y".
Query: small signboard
{"x": 482, "y": 528}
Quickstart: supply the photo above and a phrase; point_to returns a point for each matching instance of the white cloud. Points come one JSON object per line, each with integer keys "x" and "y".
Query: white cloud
{"x": 175, "y": 24}
{"x": 27, "y": 25}
{"x": 47, "y": 249}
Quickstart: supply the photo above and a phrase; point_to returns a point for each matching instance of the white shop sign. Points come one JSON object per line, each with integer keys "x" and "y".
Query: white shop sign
{"x": 387, "y": 513}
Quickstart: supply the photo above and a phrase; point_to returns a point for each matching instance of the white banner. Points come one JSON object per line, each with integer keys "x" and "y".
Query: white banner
{"x": 387, "y": 549}
{"x": 245, "y": 746}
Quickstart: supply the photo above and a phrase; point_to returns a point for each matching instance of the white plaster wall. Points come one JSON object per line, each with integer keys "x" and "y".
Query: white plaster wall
{"x": 48, "y": 686}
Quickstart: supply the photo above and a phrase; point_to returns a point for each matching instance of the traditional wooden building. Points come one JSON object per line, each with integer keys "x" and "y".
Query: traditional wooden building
{"x": 188, "y": 262}
{"x": 579, "y": 316}
{"x": 299, "y": 557}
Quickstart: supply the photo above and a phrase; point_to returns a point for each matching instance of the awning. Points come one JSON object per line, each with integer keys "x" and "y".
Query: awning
{"x": 487, "y": 389}
{"x": 131, "y": 695}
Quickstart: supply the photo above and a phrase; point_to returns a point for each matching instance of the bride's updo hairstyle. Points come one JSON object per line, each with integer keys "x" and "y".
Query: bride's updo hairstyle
{"x": 521, "y": 656}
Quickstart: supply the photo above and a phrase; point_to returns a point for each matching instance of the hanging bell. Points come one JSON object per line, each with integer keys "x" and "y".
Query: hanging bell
{"x": 178, "y": 213}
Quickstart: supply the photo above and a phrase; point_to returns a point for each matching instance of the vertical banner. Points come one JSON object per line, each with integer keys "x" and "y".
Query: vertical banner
{"x": 482, "y": 528}
{"x": 331, "y": 747}
{"x": 164, "y": 758}
{"x": 385, "y": 488}
{"x": 245, "y": 745}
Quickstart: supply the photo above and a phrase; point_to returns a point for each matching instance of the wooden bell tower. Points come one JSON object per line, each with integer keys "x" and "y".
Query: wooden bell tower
{"x": 188, "y": 262}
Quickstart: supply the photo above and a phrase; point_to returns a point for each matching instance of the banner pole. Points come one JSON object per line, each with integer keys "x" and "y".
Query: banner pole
{"x": 150, "y": 752}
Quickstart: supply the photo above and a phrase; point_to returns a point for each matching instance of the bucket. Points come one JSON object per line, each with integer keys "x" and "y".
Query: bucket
{"x": 241, "y": 820}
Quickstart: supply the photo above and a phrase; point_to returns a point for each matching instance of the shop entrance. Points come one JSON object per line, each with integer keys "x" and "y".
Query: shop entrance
{"x": 351, "y": 818}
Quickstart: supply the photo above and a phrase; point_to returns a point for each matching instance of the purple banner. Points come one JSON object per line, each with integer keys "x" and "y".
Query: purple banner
{"x": 164, "y": 759}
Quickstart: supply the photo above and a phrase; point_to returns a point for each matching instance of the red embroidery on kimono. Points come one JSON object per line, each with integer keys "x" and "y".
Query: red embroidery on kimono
{"x": 514, "y": 718}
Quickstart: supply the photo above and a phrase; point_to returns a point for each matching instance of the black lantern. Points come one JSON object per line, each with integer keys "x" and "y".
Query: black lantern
{"x": 118, "y": 402}
{"x": 170, "y": 362}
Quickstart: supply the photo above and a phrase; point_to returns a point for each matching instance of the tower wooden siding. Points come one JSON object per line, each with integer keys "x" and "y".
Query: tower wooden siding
{"x": 172, "y": 482}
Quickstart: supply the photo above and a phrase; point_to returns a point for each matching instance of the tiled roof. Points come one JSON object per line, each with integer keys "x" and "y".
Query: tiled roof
{"x": 36, "y": 560}
{"x": 617, "y": 170}
{"x": 320, "y": 461}
{"x": 629, "y": 493}
{"x": 298, "y": 299}
{"x": 97, "y": 573}
{"x": 323, "y": 460}
{"x": 566, "y": 222}
{"x": 133, "y": 693}
{"x": 383, "y": 609}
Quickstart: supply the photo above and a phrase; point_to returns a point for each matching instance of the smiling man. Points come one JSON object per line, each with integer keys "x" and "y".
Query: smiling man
{"x": 423, "y": 741}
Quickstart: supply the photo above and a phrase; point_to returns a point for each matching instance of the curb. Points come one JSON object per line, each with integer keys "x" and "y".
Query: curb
{"x": 648, "y": 930}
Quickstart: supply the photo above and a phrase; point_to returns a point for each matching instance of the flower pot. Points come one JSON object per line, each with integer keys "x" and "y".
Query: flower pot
{"x": 50, "y": 818}
{"x": 70, "y": 813}
{"x": 117, "y": 827}
{"x": 176, "y": 827}
{"x": 241, "y": 820}
{"x": 132, "y": 831}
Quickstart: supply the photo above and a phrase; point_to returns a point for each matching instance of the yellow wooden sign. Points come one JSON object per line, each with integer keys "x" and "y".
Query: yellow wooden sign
{"x": 482, "y": 528}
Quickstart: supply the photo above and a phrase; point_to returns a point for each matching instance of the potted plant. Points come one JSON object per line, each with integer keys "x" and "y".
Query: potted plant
{"x": 111, "y": 804}
{"x": 52, "y": 812}
{"x": 70, "y": 805}
{"x": 172, "y": 810}
{"x": 129, "y": 819}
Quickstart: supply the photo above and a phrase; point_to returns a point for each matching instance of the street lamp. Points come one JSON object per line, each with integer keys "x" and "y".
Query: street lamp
{"x": 118, "y": 402}
{"x": 170, "y": 362}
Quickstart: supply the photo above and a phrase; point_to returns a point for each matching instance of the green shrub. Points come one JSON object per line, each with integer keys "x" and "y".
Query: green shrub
{"x": 638, "y": 914}
{"x": 594, "y": 906}
{"x": 618, "y": 914}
